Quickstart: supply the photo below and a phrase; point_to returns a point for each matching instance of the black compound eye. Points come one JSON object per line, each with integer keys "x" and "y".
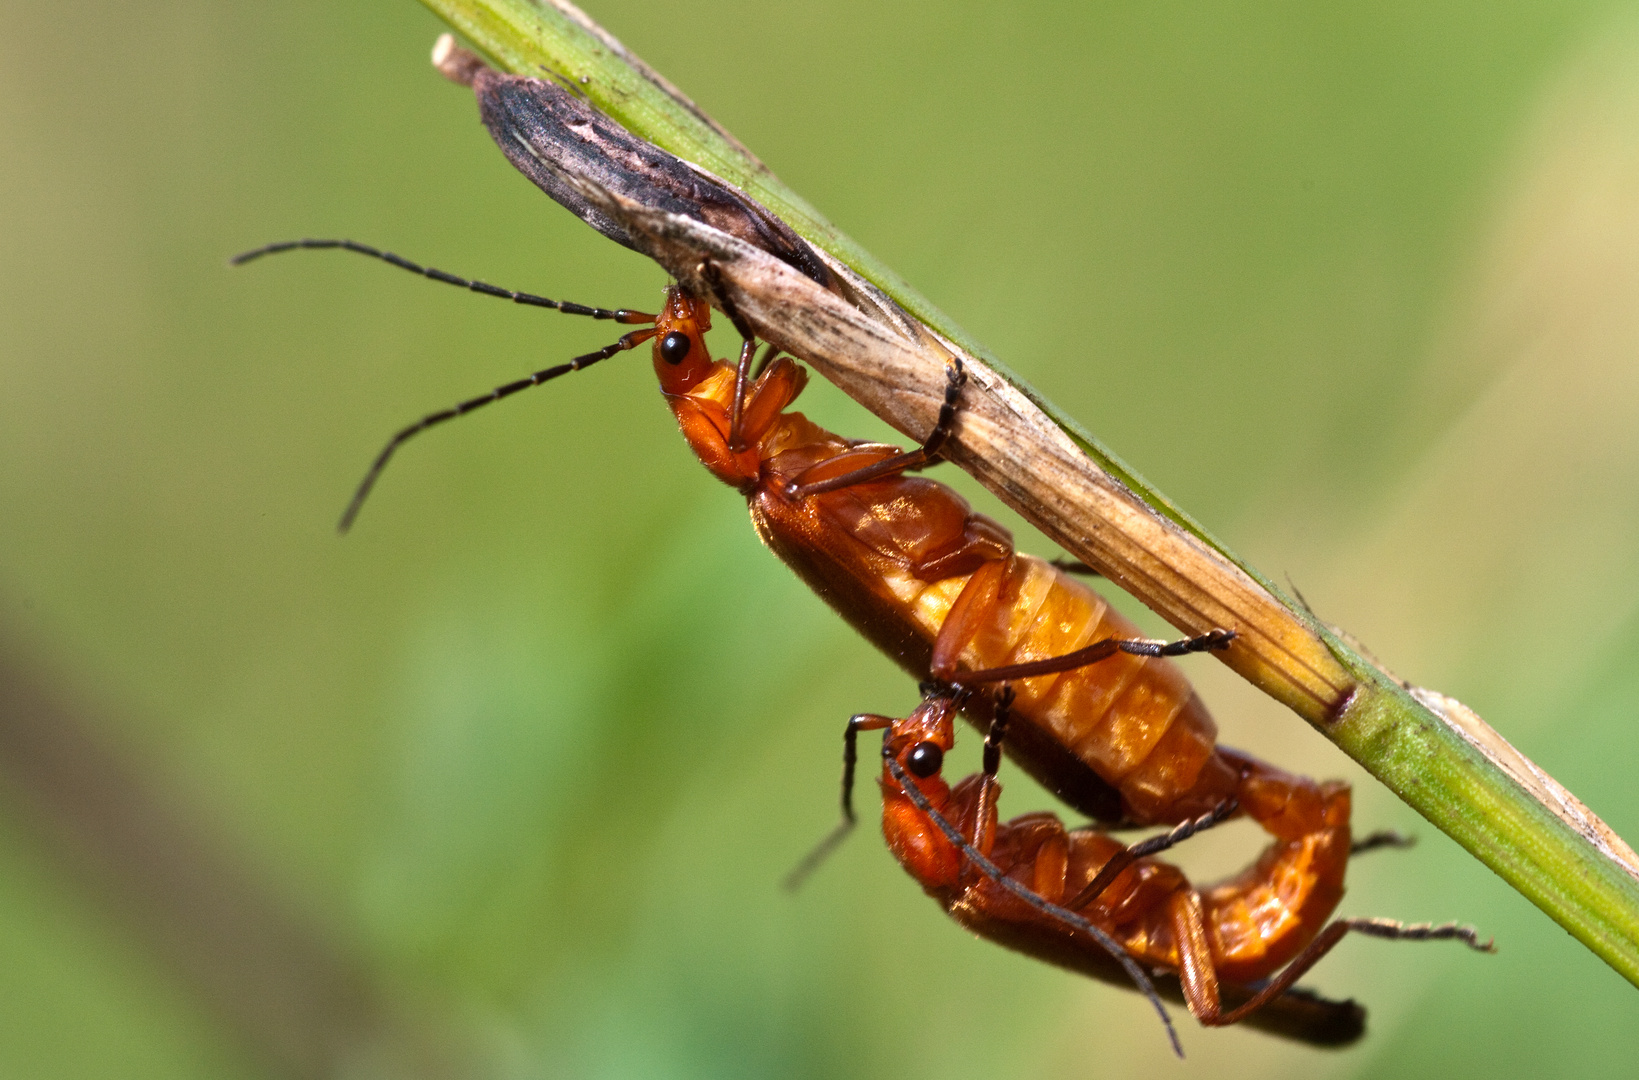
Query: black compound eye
{"x": 674, "y": 348}
{"x": 925, "y": 759}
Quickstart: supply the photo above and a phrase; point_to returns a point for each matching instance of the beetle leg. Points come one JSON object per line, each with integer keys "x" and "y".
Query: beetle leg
{"x": 1386, "y": 838}
{"x": 736, "y": 442}
{"x": 850, "y": 758}
{"x": 1103, "y": 650}
{"x": 1153, "y": 846}
{"x": 1323, "y": 944}
{"x": 926, "y": 454}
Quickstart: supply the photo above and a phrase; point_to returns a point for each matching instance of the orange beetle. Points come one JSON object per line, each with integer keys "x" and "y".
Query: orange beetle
{"x": 1076, "y": 898}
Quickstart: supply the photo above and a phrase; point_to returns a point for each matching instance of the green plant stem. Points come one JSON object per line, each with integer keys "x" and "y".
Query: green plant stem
{"x": 1463, "y": 793}
{"x": 1421, "y": 754}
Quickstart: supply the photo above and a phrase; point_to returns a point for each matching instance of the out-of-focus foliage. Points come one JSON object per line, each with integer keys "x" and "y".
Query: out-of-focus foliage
{"x": 1360, "y": 289}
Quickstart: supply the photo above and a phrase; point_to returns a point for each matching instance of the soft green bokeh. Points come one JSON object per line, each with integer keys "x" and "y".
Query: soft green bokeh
{"x": 1359, "y": 289}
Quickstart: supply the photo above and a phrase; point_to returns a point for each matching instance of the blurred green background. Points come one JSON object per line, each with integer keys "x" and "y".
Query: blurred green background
{"x": 522, "y": 760}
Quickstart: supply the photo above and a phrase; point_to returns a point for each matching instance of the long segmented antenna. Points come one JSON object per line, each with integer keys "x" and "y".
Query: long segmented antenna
{"x": 629, "y": 341}
{"x": 1069, "y": 918}
{"x": 619, "y": 315}
{"x": 850, "y": 758}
